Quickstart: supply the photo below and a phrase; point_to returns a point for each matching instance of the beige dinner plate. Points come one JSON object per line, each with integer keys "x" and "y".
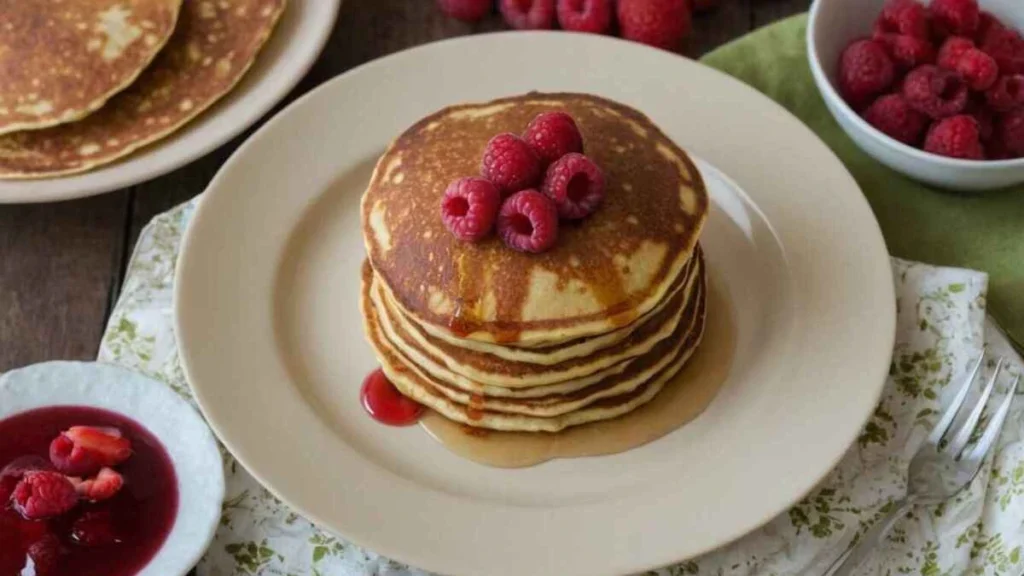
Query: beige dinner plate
{"x": 267, "y": 319}
{"x": 293, "y": 47}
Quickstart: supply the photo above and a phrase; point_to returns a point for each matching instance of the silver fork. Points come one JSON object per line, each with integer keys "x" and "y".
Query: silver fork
{"x": 943, "y": 466}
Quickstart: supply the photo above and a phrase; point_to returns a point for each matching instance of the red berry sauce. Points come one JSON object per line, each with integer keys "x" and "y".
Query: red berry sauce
{"x": 386, "y": 404}
{"x": 141, "y": 514}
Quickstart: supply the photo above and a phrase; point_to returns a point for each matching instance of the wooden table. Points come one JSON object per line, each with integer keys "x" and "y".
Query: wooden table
{"x": 61, "y": 265}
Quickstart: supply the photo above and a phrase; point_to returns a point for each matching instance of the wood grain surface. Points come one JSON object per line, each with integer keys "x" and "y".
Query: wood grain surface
{"x": 61, "y": 265}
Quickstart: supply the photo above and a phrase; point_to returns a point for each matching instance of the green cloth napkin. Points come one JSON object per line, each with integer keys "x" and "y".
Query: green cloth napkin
{"x": 983, "y": 231}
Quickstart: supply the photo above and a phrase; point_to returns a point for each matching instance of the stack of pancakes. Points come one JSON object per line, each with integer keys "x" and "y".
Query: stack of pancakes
{"x": 87, "y": 82}
{"x": 497, "y": 339}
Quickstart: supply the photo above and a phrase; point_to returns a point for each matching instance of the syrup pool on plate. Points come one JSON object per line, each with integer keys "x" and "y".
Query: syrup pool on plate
{"x": 139, "y": 517}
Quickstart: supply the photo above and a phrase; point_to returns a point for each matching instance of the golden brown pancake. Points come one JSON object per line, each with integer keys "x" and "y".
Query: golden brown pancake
{"x": 603, "y": 273}
{"x": 479, "y": 372}
{"x": 60, "y": 61}
{"x": 604, "y": 401}
{"x": 636, "y": 372}
{"x": 556, "y": 353}
{"x": 214, "y": 45}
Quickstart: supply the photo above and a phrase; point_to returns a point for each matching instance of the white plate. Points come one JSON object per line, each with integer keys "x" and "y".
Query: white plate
{"x": 271, "y": 339}
{"x": 187, "y": 439}
{"x": 292, "y": 49}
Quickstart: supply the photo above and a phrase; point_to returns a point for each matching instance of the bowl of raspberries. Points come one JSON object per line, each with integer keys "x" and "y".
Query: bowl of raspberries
{"x": 931, "y": 88}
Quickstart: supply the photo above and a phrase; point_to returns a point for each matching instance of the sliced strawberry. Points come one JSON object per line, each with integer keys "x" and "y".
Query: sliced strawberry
{"x": 103, "y": 487}
{"x": 83, "y": 450}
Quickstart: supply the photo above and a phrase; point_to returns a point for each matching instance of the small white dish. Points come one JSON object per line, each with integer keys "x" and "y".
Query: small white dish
{"x": 271, "y": 340}
{"x": 292, "y": 49}
{"x": 831, "y": 26}
{"x": 187, "y": 439}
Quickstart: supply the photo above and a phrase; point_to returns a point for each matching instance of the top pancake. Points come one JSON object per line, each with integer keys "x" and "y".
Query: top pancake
{"x": 602, "y": 273}
{"x": 60, "y": 61}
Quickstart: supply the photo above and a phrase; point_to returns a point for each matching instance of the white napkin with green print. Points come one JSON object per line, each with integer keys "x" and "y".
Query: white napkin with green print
{"x": 942, "y": 327}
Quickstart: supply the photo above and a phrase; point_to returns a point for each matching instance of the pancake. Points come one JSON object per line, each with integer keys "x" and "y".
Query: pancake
{"x": 603, "y": 273}
{"x": 636, "y": 373}
{"x": 556, "y": 353}
{"x": 59, "y": 62}
{"x": 215, "y": 43}
{"x": 476, "y": 372}
{"x": 422, "y": 388}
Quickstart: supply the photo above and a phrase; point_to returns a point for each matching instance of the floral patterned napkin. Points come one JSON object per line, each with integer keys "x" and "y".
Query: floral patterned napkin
{"x": 942, "y": 327}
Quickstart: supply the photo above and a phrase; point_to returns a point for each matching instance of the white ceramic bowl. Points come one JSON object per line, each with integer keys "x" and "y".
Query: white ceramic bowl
{"x": 831, "y": 26}
{"x": 184, "y": 434}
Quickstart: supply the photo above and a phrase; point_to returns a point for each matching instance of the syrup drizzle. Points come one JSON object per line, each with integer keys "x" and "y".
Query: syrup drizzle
{"x": 475, "y": 410}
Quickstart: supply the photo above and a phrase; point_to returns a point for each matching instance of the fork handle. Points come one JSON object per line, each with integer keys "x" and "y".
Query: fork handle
{"x": 854, "y": 556}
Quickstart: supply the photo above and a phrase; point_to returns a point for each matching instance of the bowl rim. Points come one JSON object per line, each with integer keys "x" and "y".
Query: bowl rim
{"x": 829, "y": 92}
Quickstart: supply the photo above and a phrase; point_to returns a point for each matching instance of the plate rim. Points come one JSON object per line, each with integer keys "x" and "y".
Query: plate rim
{"x": 876, "y": 382}
{"x": 61, "y": 188}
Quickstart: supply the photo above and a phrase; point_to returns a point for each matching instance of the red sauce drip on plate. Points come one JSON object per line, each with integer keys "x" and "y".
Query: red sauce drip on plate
{"x": 386, "y": 404}
{"x": 141, "y": 514}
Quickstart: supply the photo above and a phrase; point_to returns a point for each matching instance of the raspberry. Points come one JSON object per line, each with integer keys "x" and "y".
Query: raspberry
{"x": 952, "y": 50}
{"x": 979, "y": 110}
{"x": 466, "y": 10}
{"x": 83, "y": 450}
{"x": 104, "y": 486}
{"x": 907, "y": 52}
{"x": 978, "y": 69}
{"x": 903, "y": 17}
{"x": 43, "y": 494}
{"x": 936, "y": 92}
{"x": 45, "y": 555}
{"x": 987, "y": 25}
{"x": 95, "y": 528}
{"x": 13, "y": 473}
{"x": 469, "y": 208}
{"x": 585, "y": 15}
{"x": 1006, "y": 94}
{"x": 659, "y": 23}
{"x": 553, "y": 135}
{"x": 955, "y": 17}
{"x": 865, "y": 71}
{"x": 528, "y": 222}
{"x": 1010, "y": 133}
{"x": 956, "y": 137}
{"x": 529, "y": 14}
{"x": 576, "y": 185}
{"x": 1007, "y": 47}
{"x": 510, "y": 164}
{"x": 893, "y": 116}
{"x": 70, "y": 461}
